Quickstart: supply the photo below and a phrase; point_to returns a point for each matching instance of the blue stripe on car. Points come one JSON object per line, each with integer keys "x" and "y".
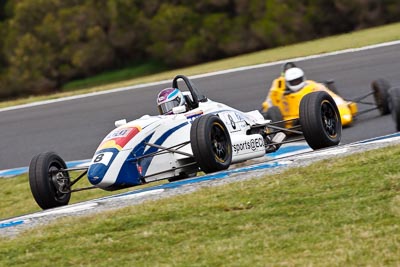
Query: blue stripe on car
{"x": 97, "y": 171}
{"x": 145, "y": 163}
{"x": 129, "y": 168}
{"x": 129, "y": 174}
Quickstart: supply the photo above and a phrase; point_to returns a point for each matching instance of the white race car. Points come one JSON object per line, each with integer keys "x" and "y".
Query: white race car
{"x": 203, "y": 136}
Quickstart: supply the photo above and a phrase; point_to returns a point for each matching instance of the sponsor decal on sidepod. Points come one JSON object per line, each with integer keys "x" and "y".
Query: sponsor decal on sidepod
{"x": 251, "y": 144}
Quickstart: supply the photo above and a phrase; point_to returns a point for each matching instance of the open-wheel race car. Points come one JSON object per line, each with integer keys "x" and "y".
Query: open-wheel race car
{"x": 204, "y": 136}
{"x": 282, "y": 103}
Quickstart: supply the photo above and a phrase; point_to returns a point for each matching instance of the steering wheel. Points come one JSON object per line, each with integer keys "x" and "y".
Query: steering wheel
{"x": 287, "y": 65}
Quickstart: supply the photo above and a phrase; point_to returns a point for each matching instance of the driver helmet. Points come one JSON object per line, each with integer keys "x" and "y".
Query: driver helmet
{"x": 295, "y": 79}
{"x": 169, "y": 98}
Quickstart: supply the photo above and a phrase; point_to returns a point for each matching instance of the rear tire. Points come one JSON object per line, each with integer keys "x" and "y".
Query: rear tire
{"x": 211, "y": 143}
{"x": 320, "y": 120}
{"x": 49, "y": 186}
{"x": 380, "y": 88}
{"x": 394, "y": 94}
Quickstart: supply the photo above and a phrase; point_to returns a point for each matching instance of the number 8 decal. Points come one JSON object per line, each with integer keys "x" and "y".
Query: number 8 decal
{"x": 102, "y": 158}
{"x": 98, "y": 158}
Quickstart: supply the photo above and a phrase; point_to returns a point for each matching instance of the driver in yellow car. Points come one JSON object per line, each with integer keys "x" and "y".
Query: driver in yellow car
{"x": 284, "y": 97}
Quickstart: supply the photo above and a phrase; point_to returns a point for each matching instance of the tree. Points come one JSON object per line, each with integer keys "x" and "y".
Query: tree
{"x": 46, "y": 43}
{"x": 171, "y": 30}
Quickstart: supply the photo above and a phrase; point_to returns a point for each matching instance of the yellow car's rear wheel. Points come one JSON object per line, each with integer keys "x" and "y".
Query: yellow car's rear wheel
{"x": 395, "y": 105}
{"x": 380, "y": 89}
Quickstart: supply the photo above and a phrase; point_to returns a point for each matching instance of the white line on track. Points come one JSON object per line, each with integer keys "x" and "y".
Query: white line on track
{"x": 120, "y": 89}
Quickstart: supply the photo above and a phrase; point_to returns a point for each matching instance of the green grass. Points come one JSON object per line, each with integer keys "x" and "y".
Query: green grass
{"x": 16, "y": 197}
{"x": 337, "y": 212}
{"x": 351, "y": 40}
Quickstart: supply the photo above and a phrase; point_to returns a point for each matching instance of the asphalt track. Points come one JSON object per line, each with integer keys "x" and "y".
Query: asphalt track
{"x": 74, "y": 128}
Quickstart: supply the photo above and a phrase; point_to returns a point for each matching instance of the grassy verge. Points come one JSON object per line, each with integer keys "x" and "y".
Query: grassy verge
{"x": 16, "y": 197}
{"x": 338, "y": 212}
{"x": 351, "y": 40}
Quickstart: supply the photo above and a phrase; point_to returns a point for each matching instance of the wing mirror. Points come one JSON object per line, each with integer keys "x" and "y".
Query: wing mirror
{"x": 119, "y": 123}
{"x": 179, "y": 109}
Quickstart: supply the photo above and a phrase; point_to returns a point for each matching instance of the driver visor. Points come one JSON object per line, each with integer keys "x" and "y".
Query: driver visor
{"x": 166, "y": 107}
{"x": 296, "y": 81}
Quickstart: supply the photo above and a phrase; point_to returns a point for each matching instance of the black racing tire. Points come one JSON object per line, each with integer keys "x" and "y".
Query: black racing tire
{"x": 211, "y": 143}
{"x": 43, "y": 170}
{"x": 394, "y": 94}
{"x": 380, "y": 89}
{"x": 273, "y": 113}
{"x": 320, "y": 120}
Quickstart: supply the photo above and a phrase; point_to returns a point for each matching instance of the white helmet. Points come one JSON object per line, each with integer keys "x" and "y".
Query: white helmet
{"x": 295, "y": 79}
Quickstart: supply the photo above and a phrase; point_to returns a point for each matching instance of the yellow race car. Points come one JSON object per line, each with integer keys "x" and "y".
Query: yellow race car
{"x": 283, "y": 100}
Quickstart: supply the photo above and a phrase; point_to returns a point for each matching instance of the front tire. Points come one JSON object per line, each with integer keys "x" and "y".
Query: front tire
{"x": 211, "y": 143}
{"x": 274, "y": 114}
{"x": 320, "y": 120}
{"x": 380, "y": 88}
{"x": 50, "y": 187}
{"x": 395, "y": 105}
